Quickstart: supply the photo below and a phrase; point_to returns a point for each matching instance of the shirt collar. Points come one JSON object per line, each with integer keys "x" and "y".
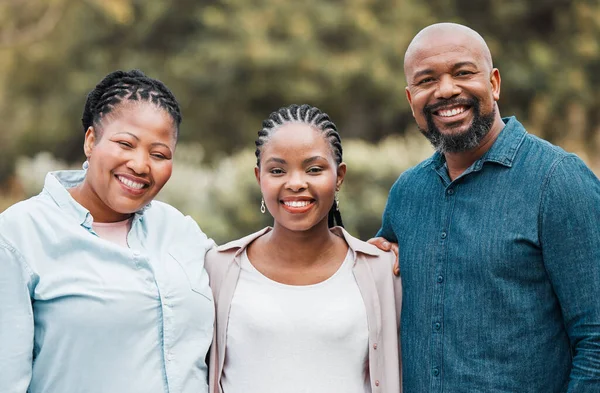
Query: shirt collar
{"x": 356, "y": 245}
{"x": 504, "y": 149}
{"x": 56, "y": 185}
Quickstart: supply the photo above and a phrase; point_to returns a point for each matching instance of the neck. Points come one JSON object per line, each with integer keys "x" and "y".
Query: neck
{"x": 301, "y": 247}
{"x": 87, "y": 197}
{"x": 459, "y": 162}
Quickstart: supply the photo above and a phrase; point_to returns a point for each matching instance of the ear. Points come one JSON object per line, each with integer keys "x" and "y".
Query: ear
{"x": 341, "y": 174}
{"x": 409, "y": 98}
{"x": 257, "y": 174}
{"x": 89, "y": 142}
{"x": 495, "y": 81}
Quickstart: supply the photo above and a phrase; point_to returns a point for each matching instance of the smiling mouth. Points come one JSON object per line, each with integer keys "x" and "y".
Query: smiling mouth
{"x": 298, "y": 207}
{"x": 449, "y": 112}
{"x": 131, "y": 184}
{"x": 297, "y": 203}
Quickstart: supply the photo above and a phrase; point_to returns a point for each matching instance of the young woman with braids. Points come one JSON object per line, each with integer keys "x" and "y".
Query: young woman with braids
{"x": 103, "y": 289}
{"x": 303, "y": 306}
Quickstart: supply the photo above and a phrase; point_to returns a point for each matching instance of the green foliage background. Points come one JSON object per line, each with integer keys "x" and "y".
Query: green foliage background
{"x": 232, "y": 62}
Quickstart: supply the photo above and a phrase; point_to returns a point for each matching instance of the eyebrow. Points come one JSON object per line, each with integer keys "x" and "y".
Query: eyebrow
{"x": 128, "y": 133}
{"x": 137, "y": 139}
{"x": 160, "y": 144}
{"x": 313, "y": 159}
{"x": 278, "y": 160}
{"x": 429, "y": 71}
{"x": 421, "y": 73}
{"x": 304, "y": 162}
{"x": 463, "y": 64}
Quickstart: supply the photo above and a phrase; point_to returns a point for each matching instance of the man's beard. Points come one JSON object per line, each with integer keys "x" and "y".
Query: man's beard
{"x": 460, "y": 142}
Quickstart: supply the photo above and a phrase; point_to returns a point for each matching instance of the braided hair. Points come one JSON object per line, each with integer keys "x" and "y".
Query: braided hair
{"x": 311, "y": 116}
{"x": 134, "y": 85}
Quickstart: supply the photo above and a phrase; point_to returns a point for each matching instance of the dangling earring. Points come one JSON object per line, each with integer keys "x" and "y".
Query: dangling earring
{"x": 85, "y": 165}
{"x": 337, "y": 202}
{"x": 263, "y": 208}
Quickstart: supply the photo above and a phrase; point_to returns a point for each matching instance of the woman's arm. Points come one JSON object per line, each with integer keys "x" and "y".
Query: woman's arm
{"x": 16, "y": 322}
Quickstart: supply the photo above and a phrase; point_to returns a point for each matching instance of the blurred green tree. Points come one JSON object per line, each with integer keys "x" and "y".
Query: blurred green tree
{"x": 232, "y": 62}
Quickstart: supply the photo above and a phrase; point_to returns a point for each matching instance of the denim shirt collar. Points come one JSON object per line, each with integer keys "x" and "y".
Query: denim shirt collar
{"x": 504, "y": 149}
{"x": 56, "y": 185}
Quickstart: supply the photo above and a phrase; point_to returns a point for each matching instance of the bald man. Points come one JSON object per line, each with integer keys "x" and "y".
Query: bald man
{"x": 498, "y": 235}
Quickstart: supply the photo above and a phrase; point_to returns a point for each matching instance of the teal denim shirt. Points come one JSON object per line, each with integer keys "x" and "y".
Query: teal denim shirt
{"x": 501, "y": 271}
{"x": 82, "y": 314}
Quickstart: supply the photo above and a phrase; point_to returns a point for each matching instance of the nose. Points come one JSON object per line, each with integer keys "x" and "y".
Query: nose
{"x": 296, "y": 181}
{"x": 139, "y": 163}
{"x": 446, "y": 88}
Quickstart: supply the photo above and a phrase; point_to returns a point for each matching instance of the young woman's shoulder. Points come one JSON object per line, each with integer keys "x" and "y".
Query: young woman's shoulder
{"x": 381, "y": 263}
{"x": 373, "y": 254}
{"x": 379, "y": 259}
{"x": 218, "y": 259}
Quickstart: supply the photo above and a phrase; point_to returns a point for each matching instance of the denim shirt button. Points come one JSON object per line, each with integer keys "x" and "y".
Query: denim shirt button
{"x": 440, "y": 279}
{"x": 444, "y": 235}
{"x": 437, "y": 326}
{"x": 436, "y": 372}
{"x": 450, "y": 192}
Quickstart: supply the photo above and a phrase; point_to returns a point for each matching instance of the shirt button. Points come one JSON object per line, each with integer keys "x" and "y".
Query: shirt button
{"x": 169, "y": 356}
{"x": 436, "y": 371}
{"x": 437, "y": 326}
{"x": 450, "y": 192}
{"x": 444, "y": 235}
{"x": 440, "y": 279}
{"x": 377, "y": 383}
{"x": 375, "y": 346}
{"x": 136, "y": 253}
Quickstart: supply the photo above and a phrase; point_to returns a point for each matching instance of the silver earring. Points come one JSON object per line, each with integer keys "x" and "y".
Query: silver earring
{"x": 337, "y": 202}
{"x": 85, "y": 165}
{"x": 263, "y": 208}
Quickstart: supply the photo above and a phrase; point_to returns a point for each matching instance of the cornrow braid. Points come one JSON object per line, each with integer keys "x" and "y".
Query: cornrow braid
{"x": 133, "y": 85}
{"x": 311, "y": 116}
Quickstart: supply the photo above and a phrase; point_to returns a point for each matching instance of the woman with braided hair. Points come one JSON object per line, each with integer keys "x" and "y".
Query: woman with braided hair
{"x": 303, "y": 306}
{"x": 104, "y": 290}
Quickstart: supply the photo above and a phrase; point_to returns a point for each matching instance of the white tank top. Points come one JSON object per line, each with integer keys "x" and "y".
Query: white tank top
{"x": 292, "y": 339}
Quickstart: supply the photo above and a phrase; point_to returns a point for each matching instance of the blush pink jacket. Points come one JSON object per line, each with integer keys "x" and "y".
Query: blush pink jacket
{"x": 380, "y": 290}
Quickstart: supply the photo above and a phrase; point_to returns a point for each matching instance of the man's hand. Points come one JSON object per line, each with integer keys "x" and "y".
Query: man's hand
{"x": 384, "y": 245}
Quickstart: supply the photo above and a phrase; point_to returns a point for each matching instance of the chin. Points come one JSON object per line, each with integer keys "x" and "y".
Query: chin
{"x": 127, "y": 207}
{"x": 296, "y": 227}
{"x": 458, "y": 129}
{"x": 301, "y": 226}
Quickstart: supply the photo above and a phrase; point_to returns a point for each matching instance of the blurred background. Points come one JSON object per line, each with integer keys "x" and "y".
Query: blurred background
{"x": 232, "y": 62}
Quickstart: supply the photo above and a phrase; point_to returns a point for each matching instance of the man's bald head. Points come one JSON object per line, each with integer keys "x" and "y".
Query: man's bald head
{"x": 452, "y": 87}
{"x": 446, "y": 34}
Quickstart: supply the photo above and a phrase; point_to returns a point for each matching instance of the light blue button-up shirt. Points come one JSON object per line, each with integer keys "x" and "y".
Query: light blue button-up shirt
{"x": 81, "y": 314}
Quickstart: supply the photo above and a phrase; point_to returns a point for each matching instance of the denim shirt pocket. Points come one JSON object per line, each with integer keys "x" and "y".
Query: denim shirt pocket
{"x": 192, "y": 264}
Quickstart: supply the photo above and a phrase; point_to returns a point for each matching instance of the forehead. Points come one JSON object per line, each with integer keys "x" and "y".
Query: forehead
{"x": 143, "y": 119}
{"x": 296, "y": 137}
{"x": 443, "y": 51}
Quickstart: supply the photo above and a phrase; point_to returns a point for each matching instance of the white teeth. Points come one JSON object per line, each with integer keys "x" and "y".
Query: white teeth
{"x": 451, "y": 112}
{"x": 130, "y": 183}
{"x": 297, "y": 203}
